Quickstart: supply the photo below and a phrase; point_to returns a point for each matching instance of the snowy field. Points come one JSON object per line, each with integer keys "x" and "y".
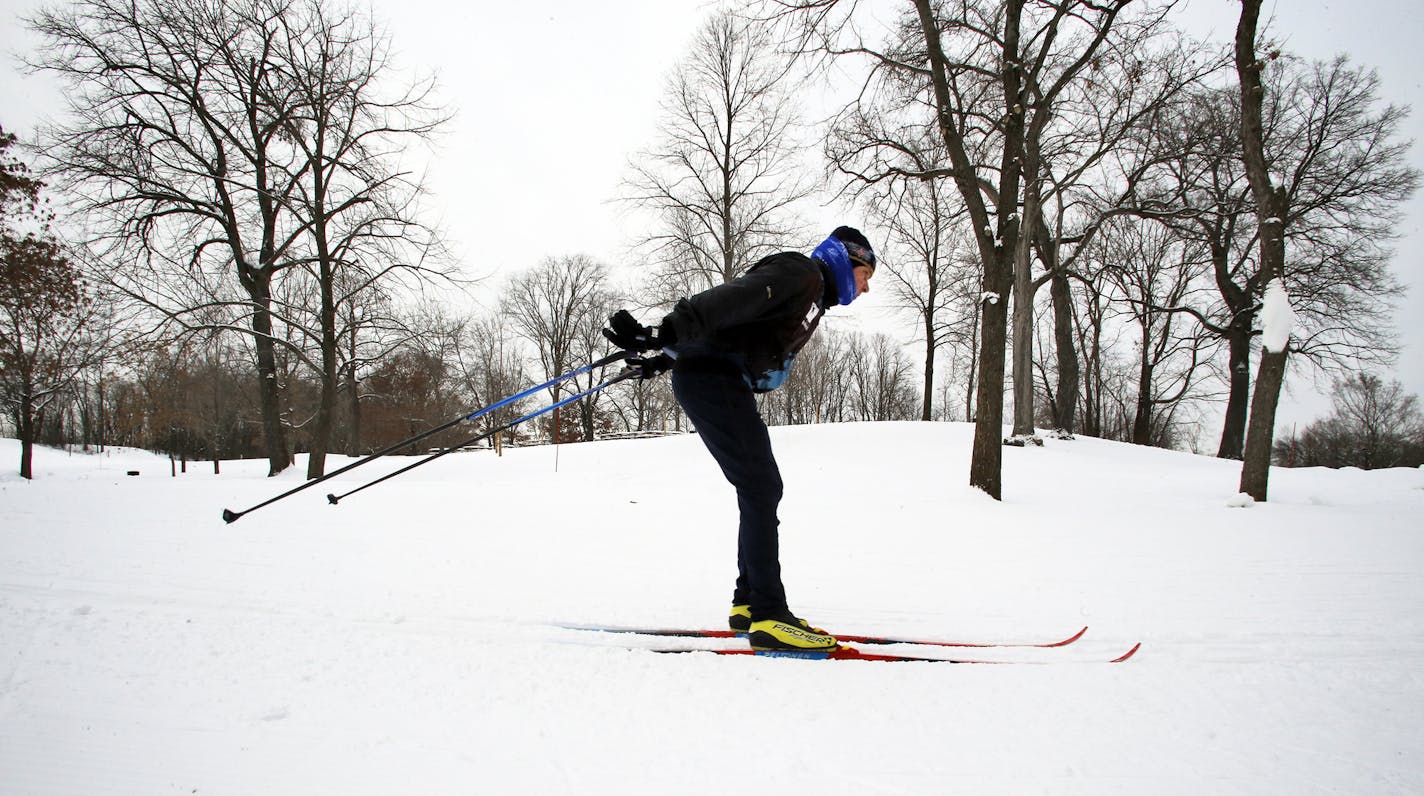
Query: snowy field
{"x": 400, "y": 643}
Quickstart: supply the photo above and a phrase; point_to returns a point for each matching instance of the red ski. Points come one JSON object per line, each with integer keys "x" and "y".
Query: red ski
{"x": 844, "y": 653}
{"x": 876, "y": 640}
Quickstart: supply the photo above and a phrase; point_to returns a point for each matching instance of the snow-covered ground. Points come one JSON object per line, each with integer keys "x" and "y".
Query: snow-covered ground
{"x": 399, "y": 643}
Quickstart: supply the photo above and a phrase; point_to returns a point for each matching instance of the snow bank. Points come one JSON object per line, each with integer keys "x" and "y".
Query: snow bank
{"x": 400, "y": 642}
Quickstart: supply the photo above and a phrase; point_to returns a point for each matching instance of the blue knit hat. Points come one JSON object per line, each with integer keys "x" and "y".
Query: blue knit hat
{"x": 842, "y": 252}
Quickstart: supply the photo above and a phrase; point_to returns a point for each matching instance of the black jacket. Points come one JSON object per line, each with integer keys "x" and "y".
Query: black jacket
{"x": 757, "y": 321}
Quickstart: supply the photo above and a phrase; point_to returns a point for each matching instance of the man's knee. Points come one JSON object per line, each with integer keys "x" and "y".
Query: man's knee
{"x": 764, "y": 489}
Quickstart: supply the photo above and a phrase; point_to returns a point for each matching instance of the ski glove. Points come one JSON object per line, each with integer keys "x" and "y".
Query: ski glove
{"x": 629, "y": 335}
{"x": 650, "y": 367}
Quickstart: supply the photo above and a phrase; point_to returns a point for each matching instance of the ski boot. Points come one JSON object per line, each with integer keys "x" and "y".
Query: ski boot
{"x": 740, "y": 620}
{"x": 785, "y": 632}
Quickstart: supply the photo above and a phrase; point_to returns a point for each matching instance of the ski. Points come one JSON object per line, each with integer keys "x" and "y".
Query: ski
{"x": 873, "y": 640}
{"x": 844, "y": 653}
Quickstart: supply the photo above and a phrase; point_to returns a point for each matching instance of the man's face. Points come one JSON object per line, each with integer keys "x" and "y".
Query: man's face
{"x": 862, "y": 280}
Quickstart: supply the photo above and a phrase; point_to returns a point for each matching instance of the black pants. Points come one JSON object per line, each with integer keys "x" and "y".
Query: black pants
{"x": 723, "y": 409}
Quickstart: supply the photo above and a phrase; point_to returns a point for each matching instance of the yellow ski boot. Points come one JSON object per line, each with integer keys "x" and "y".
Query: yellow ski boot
{"x": 788, "y": 633}
{"x": 740, "y": 620}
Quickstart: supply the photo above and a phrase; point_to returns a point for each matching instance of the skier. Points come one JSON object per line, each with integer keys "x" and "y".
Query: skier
{"x": 724, "y": 345}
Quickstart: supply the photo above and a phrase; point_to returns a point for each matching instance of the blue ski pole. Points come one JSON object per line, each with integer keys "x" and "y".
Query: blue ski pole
{"x": 333, "y": 499}
{"x": 231, "y": 516}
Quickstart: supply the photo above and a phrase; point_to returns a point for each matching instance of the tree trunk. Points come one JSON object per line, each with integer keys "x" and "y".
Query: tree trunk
{"x": 1238, "y": 401}
{"x": 1255, "y": 468}
{"x": 321, "y": 432}
{"x": 1023, "y": 342}
{"x": 103, "y": 419}
{"x": 985, "y": 465}
{"x": 970, "y": 413}
{"x": 353, "y": 430}
{"x": 997, "y": 244}
{"x": 1066, "y": 396}
{"x": 1272, "y": 205}
{"x": 27, "y": 425}
{"x": 1093, "y": 364}
{"x": 1025, "y": 288}
{"x": 217, "y": 428}
{"x": 269, "y": 390}
{"x": 353, "y": 412}
{"x": 326, "y": 409}
{"x": 925, "y": 413}
{"x": 1142, "y": 416}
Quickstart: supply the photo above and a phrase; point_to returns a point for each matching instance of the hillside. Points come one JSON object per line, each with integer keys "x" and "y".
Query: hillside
{"x": 401, "y": 641}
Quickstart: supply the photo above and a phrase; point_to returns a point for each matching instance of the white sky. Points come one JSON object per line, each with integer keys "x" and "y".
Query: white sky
{"x": 553, "y": 98}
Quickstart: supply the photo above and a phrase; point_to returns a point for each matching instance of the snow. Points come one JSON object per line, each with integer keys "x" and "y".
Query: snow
{"x": 989, "y": 296}
{"x": 399, "y": 642}
{"x": 1277, "y": 317}
{"x": 1241, "y": 500}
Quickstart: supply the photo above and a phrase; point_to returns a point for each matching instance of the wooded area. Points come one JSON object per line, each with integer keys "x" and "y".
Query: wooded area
{"x": 246, "y": 268}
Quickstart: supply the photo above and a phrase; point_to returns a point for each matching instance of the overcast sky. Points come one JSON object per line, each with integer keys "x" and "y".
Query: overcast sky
{"x": 553, "y": 98}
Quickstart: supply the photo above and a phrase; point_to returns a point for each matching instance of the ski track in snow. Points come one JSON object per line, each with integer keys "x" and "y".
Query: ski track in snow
{"x": 401, "y": 642}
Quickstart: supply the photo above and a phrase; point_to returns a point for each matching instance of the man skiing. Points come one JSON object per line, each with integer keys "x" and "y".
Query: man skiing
{"x": 723, "y": 346}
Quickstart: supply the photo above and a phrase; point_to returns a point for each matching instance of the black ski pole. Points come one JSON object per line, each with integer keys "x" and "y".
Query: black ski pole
{"x": 231, "y": 516}
{"x": 334, "y": 499}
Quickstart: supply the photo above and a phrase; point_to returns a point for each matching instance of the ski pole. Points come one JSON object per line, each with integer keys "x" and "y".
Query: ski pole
{"x": 231, "y": 516}
{"x": 333, "y": 499}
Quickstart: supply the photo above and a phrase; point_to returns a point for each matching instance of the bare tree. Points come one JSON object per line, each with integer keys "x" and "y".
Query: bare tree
{"x": 492, "y": 368}
{"x": 590, "y": 344}
{"x": 1153, "y": 274}
{"x": 1095, "y": 149}
{"x": 881, "y": 379}
{"x": 409, "y": 391}
{"x": 1198, "y": 189}
{"x": 358, "y": 209}
{"x": 994, "y": 73}
{"x": 725, "y": 169}
{"x": 937, "y": 279}
{"x": 817, "y": 390}
{"x": 1345, "y": 172}
{"x": 891, "y": 163}
{"x": 1339, "y": 147}
{"x": 178, "y": 153}
{"x": 216, "y": 146}
{"x": 1272, "y": 205}
{"x": 47, "y": 314}
{"x": 370, "y": 327}
{"x": 646, "y": 406}
{"x": 559, "y": 307}
{"x": 1338, "y": 159}
{"x": 1374, "y": 423}
{"x": 1109, "y": 374}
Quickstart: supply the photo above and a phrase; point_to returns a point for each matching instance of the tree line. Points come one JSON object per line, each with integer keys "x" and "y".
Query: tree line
{"x": 1183, "y": 205}
{"x": 248, "y": 257}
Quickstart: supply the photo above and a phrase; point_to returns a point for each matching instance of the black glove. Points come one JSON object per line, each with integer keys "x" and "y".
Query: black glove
{"x": 629, "y": 335}
{"x": 650, "y": 367}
